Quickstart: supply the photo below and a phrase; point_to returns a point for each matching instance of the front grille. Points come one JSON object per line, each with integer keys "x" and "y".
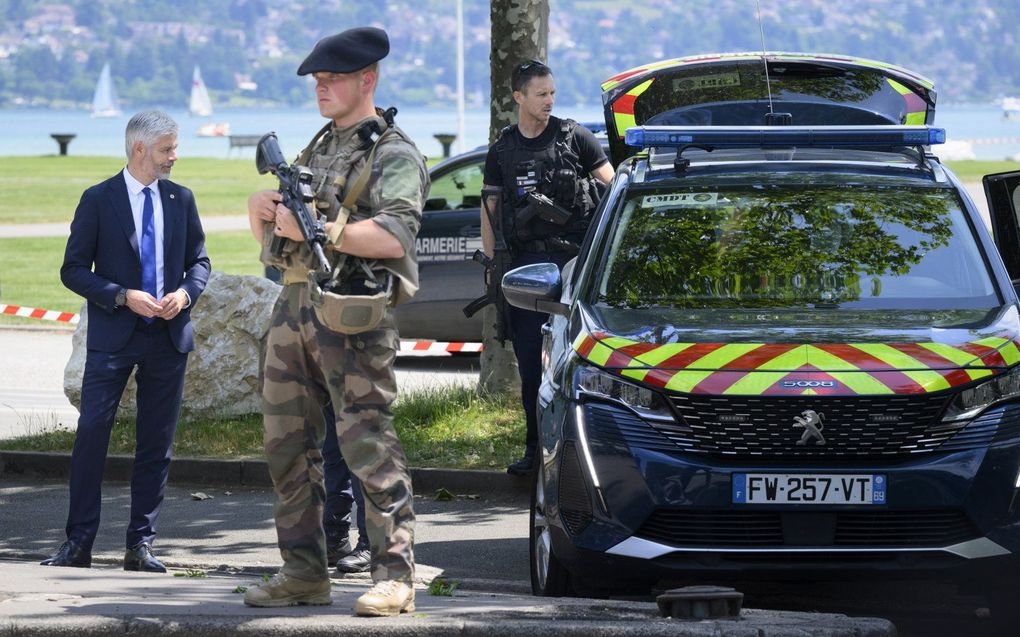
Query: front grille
{"x": 844, "y": 529}
{"x": 938, "y": 527}
{"x": 853, "y": 426}
{"x": 713, "y": 528}
{"x": 573, "y": 498}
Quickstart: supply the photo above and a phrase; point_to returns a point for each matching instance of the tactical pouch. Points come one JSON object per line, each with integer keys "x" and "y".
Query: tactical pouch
{"x": 356, "y": 305}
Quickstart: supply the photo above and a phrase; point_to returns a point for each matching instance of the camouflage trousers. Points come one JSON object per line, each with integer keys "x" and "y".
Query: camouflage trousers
{"x": 307, "y": 365}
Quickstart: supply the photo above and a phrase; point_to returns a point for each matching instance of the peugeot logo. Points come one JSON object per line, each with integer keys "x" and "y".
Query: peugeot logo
{"x": 811, "y": 422}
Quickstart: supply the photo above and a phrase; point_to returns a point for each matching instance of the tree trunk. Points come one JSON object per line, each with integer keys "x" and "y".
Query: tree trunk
{"x": 520, "y": 31}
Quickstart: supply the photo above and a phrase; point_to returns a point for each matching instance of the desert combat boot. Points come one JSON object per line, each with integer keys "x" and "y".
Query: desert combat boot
{"x": 388, "y": 597}
{"x": 284, "y": 590}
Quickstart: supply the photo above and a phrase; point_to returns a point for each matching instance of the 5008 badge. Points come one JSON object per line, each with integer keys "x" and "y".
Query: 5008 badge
{"x": 801, "y": 384}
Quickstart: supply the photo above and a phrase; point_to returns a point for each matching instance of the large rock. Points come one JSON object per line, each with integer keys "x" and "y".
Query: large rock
{"x": 230, "y": 320}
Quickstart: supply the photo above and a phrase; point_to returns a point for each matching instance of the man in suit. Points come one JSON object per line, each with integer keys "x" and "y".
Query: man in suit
{"x": 136, "y": 252}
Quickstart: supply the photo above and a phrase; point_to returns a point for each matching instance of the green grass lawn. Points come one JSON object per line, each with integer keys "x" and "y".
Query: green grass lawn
{"x": 30, "y": 270}
{"x": 448, "y": 427}
{"x": 975, "y": 170}
{"x": 47, "y": 189}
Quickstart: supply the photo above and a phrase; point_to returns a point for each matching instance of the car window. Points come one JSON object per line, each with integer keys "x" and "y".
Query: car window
{"x": 457, "y": 189}
{"x": 796, "y": 248}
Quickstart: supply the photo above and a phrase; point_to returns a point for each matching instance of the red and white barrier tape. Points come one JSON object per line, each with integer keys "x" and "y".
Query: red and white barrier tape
{"x": 31, "y": 312}
{"x": 438, "y": 346}
{"x": 68, "y": 317}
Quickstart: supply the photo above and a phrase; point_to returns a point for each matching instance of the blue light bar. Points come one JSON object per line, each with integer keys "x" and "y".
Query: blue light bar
{"x": 785, "y": 136}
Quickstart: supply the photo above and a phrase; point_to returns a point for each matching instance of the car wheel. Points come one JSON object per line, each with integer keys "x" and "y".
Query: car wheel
{"x": 548, "y": 577}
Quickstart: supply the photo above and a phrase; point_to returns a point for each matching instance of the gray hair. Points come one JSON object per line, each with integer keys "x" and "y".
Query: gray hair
{"x": 147, "y": 127}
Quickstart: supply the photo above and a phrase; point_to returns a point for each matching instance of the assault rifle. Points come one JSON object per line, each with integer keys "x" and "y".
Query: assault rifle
{"x": 495, "y": 268}
{"x": 296, "y": 188}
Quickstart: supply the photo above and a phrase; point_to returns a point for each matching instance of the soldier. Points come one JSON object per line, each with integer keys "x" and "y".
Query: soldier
{"x": 313, "y": 355}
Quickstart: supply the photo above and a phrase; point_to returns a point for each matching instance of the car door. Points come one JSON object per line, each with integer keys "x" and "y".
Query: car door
{"x": 450, "y": 233}
{"x": 1003, "y": 193}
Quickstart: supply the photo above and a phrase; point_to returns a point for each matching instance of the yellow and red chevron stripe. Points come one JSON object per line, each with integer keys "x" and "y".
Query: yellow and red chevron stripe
{"x": 916, "y": 107}
{"x": 759, "y": 369}
{"x": 623, "y": 108}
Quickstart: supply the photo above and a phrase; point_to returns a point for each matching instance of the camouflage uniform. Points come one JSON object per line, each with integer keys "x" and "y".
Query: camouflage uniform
{"x": 308, "y": 365}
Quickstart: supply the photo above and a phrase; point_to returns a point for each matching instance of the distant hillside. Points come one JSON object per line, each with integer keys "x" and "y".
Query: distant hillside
{"x": 51, "y": 52}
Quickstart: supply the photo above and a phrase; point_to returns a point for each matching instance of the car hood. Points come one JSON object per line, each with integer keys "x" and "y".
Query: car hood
{"x": 932, "y": 360}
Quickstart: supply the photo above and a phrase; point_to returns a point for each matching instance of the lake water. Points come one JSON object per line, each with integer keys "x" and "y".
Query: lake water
{"x": 27, "y": 132}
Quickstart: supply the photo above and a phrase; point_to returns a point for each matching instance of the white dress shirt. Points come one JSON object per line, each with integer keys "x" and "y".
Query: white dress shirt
{"x": 137, "y": 198}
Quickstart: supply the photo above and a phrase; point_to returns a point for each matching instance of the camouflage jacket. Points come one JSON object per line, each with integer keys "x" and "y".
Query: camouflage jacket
{"x": 393, "y": 197}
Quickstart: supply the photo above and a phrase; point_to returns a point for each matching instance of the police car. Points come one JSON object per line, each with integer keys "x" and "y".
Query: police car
{"x": 789, "y": 346}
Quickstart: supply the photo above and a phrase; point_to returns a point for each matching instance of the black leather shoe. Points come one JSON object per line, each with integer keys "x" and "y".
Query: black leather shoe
{"x": 70, "y": 553}
{"x": 141, "y": 558}
{"x": 359, "y": 561}
{"x": 523, "y": 467}
{"x": 337, "y": 550}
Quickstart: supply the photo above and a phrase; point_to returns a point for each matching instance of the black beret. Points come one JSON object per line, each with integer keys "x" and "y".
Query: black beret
{"x": 347, "y": 52}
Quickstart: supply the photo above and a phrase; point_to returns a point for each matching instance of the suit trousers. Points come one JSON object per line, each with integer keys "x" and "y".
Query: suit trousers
{"x": 160, "y": 379}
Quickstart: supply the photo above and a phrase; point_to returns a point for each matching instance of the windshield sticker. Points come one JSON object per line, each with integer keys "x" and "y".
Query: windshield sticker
{"x": 680, "y": 199}
{"x": 702, "y": 82}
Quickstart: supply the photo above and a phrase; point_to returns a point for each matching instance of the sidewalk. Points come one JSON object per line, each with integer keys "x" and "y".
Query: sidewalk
{"x": 102, "y": 601}
{"x": 480, "y": 543}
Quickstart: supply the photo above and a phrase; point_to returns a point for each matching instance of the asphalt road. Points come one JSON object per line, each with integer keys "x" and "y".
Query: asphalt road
{"x": 32, "y": 376}
{"x": 480, "y": 539}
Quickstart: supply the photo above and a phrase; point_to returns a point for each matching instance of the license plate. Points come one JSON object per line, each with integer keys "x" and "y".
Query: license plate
{"x": 813, "y": 488}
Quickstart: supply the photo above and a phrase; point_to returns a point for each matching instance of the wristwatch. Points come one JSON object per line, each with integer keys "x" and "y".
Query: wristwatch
{"x": 121, "y": 299}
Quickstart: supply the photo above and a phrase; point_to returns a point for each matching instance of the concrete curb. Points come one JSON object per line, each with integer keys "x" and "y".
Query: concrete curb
{"x": 255, "y": 473}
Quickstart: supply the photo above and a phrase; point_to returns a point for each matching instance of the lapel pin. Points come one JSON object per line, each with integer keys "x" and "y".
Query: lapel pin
{"x": 171, "y": 195}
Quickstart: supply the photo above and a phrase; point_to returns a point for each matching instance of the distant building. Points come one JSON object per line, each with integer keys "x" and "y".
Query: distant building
{"x": 51, "y": 18}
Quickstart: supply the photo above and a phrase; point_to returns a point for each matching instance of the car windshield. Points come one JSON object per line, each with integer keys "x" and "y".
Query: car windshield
{"x": 860, "y": 248}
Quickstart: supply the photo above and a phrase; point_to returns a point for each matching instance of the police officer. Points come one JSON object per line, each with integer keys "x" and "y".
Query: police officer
{"x": 558, "y": 160}
{"x": 311, "y": 356}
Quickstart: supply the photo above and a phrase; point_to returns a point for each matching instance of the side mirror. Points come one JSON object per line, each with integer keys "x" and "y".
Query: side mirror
{"x": 535, "y": 287}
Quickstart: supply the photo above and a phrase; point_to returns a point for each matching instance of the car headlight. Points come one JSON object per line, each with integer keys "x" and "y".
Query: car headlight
{"x": 593, "y": 382}
{"x": 971, "y": 402}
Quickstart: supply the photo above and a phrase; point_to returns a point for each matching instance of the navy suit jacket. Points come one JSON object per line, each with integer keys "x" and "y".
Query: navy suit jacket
{"x": 103, "y": 235}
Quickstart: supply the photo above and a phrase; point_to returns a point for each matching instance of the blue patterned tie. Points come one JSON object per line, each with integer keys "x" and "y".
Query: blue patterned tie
{"x": 148, "y": 247}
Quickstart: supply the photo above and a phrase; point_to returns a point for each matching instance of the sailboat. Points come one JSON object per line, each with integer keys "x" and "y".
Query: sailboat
{"x": 200, "y": 105}
{"x": 104, "y": 101}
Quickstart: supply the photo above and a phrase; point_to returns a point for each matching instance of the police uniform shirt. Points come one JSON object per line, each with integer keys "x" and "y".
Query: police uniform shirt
{"x": 588, "y": 149}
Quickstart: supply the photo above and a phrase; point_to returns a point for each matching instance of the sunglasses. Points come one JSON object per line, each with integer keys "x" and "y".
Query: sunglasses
{"x": 528, "y": 66}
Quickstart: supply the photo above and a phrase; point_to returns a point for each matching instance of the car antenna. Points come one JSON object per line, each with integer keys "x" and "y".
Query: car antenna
{"x": 771, "y": 118}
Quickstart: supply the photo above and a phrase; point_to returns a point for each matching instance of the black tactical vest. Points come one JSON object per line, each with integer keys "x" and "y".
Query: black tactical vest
{"x": 554, "y": 171}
